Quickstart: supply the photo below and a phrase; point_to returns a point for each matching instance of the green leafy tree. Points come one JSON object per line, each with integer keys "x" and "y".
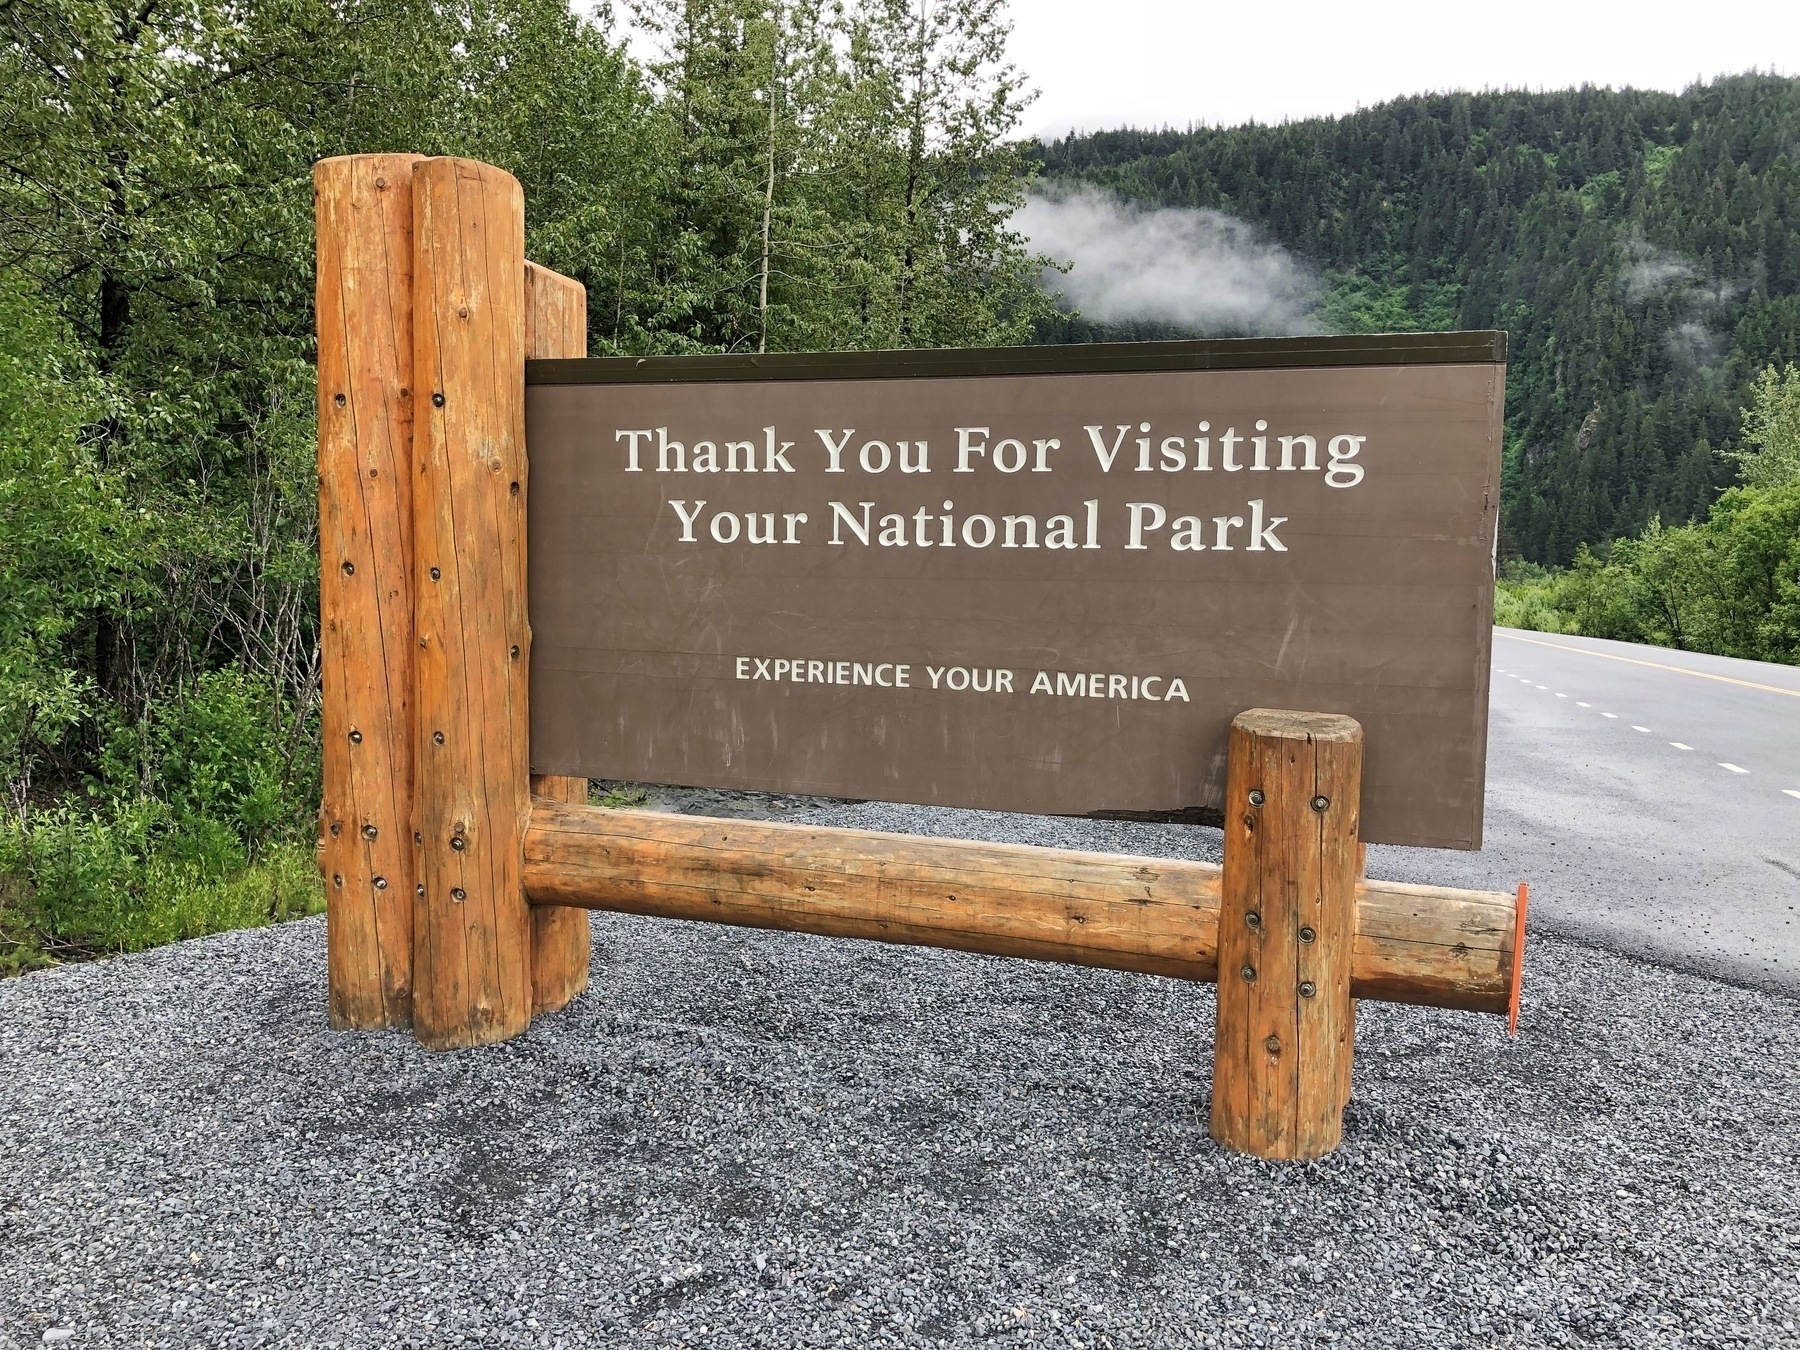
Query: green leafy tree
{"x": 1771, "y": 453}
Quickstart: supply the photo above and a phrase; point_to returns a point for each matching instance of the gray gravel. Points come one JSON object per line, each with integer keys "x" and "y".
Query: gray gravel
{"x": 742, "y": 1138}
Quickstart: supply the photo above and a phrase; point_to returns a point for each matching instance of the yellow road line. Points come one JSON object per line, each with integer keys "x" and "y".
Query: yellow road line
{"x": 1654, "y": 665}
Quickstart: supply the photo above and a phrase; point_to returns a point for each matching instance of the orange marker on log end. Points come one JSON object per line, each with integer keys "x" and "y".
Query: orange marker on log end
{"x": 1518, "y": 971}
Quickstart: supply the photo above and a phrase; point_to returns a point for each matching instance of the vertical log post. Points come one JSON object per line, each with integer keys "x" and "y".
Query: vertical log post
{"x": 364, "y": 209}
{"x": 472, "y": 926}
{"x": 1287, "y": 926}
{"x": 556, "y": 326}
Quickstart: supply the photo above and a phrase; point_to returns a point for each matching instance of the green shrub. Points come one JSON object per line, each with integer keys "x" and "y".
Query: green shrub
{"x": 197, "y": 823}
{"x": 1525, "y": 597}
{"x": 1729, "y": 584}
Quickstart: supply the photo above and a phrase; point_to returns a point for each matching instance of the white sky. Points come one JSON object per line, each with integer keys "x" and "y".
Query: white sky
{"x": 1110, "y": 63}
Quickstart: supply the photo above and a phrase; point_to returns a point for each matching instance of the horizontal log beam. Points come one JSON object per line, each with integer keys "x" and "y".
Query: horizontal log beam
{"x": 1159, "y": 916}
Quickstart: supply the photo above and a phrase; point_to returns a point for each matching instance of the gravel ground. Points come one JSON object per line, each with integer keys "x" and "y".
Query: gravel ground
{"x": 755, "y": 1139}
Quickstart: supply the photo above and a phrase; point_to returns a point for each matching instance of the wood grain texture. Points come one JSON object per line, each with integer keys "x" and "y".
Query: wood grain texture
{"x": 363, "y": 211}
{"x": 1417, "y": 944}
{"x": 472, "y": 927}
{"x": 1287, "y": 926}
{"x": 556, "y": 327}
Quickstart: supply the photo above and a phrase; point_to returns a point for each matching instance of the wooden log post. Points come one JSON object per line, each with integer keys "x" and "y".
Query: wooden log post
{"x": 1287, "y": 933}
{"x": 472, "y": 926}
{"x": 1427, "y": 945}
{"x": 364, "y": 209}
{"x": 556, "y": 326}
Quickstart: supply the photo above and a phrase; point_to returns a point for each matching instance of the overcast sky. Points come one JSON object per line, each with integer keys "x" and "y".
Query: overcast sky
{"x": 1110, "y": 63}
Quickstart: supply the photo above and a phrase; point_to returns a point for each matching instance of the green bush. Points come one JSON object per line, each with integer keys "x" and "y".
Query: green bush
{"x": 1729, "y": 584}
{"x": 194, "y": 825}
{"x": 75, "y": 885}
{"x": 1525, "y": 597}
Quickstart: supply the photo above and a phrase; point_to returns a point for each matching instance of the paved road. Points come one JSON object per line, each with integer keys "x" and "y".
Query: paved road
{"x": 1651, "y": 798}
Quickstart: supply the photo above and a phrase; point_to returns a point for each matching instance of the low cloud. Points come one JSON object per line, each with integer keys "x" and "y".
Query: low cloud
{"x": 1194, "y": 269}
{"x": 1695, "y": 305}
{"x": 1649, "y": 269}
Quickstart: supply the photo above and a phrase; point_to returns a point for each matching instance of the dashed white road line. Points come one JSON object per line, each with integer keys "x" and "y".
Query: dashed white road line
{"x": 1678, "y": 745}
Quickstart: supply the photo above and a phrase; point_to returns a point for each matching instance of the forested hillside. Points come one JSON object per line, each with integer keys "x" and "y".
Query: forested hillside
{"x": 1642, "y": 248}
{"x": 796, "y": 175}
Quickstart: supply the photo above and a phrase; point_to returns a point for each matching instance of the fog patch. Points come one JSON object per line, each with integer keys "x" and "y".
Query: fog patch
{"x": 1694, "y": 338}
{"x": 1191, "y": 268}
{"x": 1649, "y": 269}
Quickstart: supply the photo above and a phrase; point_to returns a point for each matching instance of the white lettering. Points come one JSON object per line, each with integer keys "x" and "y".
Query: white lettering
{"x": 839, "y": 515}
{"x": 1139, "y": 512}
{"x": 835, "y": 450}
{"x": 1105, "y": 456}
{"x": 1287, "y": 451}
{"x": 965, "y": 447}
{"x": 663, "y": 446}
{"x": 779, "y": 457}
{"x": 1259, "y": 532}
{"x": 1030, "y": 524}
{"x": 631, "y": 464}
{"x": 687, "y": 520}
{"x": 1341, "y": 461}
{"x": 1185, "y": 537}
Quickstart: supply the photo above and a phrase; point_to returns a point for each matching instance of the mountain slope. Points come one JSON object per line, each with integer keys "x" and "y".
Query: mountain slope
{"x": 1643, "y": 249}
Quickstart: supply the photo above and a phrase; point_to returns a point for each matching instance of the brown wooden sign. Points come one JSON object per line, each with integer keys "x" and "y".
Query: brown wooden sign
{"x": 1035, "y": 580}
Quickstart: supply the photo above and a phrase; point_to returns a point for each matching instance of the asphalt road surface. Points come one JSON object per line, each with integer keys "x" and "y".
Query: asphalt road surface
{"x": 1651, "y": 799}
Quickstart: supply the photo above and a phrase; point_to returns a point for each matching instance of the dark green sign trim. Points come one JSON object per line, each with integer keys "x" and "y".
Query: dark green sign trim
{"x": 1373, "y": 349}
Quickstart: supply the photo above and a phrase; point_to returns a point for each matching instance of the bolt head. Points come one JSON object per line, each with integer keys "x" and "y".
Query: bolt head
{"x": 458, "y": 843}
{"x": 1249, "y": 974}
{"x": 437, "y": 400}
{"x": 1307, "y": 935}
{"x": 381, "y": 883}
{"x": 1253, "y": 920}
{"x": 1320, "y": 803}
{"x": 458, "y": 894}
{"x": 355, "y": 737}
{"x": 1256, "y": 797}
{"x": 369, "y": 832}
{"x": 1272, "y": 1044}
{"x": 1308, "y": 989}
